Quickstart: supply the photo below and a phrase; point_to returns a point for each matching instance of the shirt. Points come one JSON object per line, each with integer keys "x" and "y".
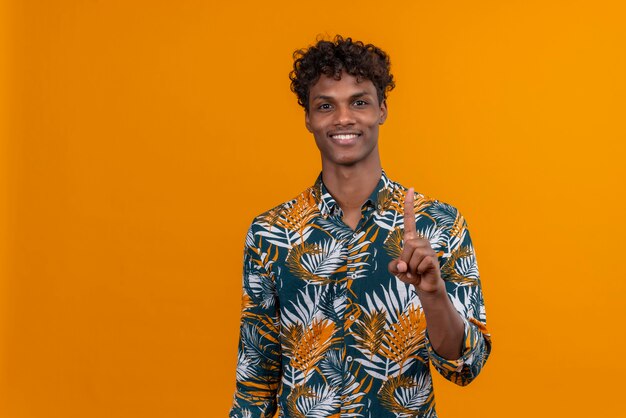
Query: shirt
{"x": 327, "y": 331}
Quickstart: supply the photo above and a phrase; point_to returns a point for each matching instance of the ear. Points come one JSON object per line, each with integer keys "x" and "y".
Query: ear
{"x": 307, "y": 121}
{"x": 383, "y": 112}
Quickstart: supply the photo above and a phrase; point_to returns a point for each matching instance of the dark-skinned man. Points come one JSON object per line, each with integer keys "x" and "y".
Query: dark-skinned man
{"x": 356, "y": 286}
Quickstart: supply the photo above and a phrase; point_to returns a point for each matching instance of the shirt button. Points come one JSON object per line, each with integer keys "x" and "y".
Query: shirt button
{"x": 353, "y": 276}
{"x": 349, "y": 359}
{"x": 351, "y": 317}
{"x": 355, "y": 235}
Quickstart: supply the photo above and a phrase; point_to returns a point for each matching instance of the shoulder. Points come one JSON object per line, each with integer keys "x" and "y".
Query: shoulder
{"x": 424, "y": 202}
{"x": 441, "y": 213}
{"x": 298, "y": 205}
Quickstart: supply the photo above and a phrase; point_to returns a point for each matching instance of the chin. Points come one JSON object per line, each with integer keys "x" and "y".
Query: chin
{"x": 346, "y": 162}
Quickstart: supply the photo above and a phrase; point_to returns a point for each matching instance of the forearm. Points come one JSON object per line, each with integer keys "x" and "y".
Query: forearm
{"x": 443, "y": 323}
{"x": 259, "y": 358}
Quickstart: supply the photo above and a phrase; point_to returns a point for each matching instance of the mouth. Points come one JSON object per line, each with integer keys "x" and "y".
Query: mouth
{"x": 345, "y": 138}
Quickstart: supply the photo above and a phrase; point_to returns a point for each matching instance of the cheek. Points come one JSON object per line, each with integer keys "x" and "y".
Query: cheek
{"x": 321, "y": 146}
{"x": 376, "y": 119}
{"x": 374, "y": 127}
{"x": 318, "y": 128}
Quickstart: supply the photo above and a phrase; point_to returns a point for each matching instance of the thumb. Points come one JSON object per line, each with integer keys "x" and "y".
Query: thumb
{"x": 397, "y": 266}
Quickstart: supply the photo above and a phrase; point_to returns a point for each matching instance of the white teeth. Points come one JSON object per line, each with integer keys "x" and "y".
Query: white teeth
{"x": 349, "y": 136}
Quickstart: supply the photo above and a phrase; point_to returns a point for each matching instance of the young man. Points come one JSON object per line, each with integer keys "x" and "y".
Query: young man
{"x": 356, "y": 286}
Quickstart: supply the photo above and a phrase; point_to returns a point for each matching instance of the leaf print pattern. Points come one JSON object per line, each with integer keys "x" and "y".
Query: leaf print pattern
{"x": 369, "y": 332}
{"x": 312, "y": 402}
{"x": 393, "y": 243}
{"x": 314, "y": 343}
{"x": 404, "y": 338}
{"x": 461, "y": 267}
{"x": 406, "y": 397}
{"x": 316, "y": 263}
{"x": 326, "y": 331}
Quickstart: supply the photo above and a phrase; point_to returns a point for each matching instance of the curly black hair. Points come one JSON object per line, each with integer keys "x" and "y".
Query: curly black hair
{"x": 331, "y": 58}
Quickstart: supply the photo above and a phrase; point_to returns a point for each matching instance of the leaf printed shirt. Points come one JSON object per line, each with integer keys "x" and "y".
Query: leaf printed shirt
{"x": 327, "y": 331}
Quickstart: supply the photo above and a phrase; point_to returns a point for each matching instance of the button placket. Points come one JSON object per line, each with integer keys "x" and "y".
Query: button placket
{"x": 351, "y": 275}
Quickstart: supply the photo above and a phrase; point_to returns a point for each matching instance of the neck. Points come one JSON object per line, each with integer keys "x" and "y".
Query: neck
{"x": 350, "y": 186}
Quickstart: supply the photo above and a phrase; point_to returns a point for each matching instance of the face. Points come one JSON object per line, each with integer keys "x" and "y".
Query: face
{"x": 344, "y": 116}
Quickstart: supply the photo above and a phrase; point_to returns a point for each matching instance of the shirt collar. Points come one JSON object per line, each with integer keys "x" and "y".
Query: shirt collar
{"x": 329, "y": 207}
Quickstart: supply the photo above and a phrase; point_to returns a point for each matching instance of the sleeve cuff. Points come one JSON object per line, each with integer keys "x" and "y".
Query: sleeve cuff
{"x": 471, "y": 337}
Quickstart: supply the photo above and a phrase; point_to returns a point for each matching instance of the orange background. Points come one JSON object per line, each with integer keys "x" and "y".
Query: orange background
{"x": 140, "y": 138}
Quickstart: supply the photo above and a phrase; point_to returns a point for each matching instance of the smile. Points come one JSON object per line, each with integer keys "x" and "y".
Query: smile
{"x": 344, "y": 136}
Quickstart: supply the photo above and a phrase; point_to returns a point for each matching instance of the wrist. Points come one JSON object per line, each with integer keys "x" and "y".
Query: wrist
{"x": 436, "y": 294}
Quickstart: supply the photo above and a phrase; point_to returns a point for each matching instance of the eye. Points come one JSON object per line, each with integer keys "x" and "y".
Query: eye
{"x": 360, "y": 103}
{"x": 324, "y": 106}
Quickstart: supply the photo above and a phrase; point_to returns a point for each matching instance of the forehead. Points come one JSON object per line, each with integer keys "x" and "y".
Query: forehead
{"x": 347, "y": 85}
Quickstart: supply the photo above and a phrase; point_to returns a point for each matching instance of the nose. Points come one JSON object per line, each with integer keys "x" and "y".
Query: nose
{"x": 344, "y": 116}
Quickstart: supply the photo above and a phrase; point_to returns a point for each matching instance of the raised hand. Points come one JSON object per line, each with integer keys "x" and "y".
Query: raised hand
{"x": 418, "y": 264}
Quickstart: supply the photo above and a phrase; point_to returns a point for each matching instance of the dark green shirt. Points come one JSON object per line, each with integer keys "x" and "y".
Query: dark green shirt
{"x": 327, "y": 331}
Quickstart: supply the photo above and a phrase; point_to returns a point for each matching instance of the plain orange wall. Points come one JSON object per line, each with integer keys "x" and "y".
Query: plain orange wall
{"x": 141, "y": 137}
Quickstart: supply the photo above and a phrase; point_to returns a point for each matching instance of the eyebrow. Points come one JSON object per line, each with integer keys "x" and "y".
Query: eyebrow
{"x": 354, "y": 96}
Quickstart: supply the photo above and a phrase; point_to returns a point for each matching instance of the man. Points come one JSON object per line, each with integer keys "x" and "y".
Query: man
{"x": 355, "y": 286}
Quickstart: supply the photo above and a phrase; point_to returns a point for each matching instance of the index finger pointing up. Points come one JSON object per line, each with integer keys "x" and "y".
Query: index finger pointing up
{"x": 410, "y": 231}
